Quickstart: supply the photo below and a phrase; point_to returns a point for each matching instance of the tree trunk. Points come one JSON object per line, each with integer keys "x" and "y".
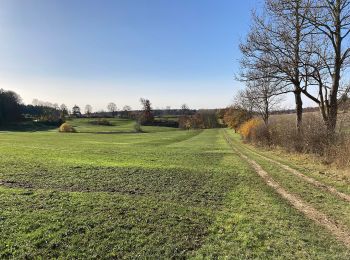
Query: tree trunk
{"x": 299, "y": 120}
{"x": 333, "y": 97}
{"x": 299, "y": 111}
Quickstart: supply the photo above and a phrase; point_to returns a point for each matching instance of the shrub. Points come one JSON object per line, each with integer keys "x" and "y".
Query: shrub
{"x": 281, "y": 132}
{"x": 248, "y": 129}
{"x": 261, "y": 135}
{"x": 338, "y": 153}
{"x": 66, "y": 128}
{"x": 185, "y": 122}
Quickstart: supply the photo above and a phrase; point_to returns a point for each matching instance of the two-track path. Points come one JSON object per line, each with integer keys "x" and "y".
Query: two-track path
{"x": 339, "y": 231}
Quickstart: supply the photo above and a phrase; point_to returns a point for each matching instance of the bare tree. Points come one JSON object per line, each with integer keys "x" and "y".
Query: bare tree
{"x": 263, "y": 97}
{"x": 274, "y": 44}
{"x": 126, "y": 112}
{"x": 112, "y": 107}
{"x": 88, "y": 109}
{"x": 330, "y": 58}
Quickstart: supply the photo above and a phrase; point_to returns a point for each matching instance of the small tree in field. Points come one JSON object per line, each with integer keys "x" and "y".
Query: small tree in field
{"x": 112, "y": 107}
{"x": 146, "y": 115}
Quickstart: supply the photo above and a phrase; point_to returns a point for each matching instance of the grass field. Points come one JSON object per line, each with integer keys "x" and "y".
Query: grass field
{"x": 85, "y": 125}
{"x": 164, "y": 193}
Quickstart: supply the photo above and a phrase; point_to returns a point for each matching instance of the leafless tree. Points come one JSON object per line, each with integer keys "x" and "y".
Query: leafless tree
{"x": 242, "y": 101}
{"x": 330, "y": 58}
{"x": 127, "y": 108}
{"x": 274, "y": 44}
{"x": 263, "y": 97}
{"x": 112, "y": 107}
{"x": 126, "y": 111}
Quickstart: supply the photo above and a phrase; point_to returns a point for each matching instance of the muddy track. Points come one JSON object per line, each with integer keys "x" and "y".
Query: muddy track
{"x": 339, "y": 231}
{"x": 308, "y": 179}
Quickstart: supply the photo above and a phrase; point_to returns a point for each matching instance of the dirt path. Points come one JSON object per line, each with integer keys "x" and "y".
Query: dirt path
{"x": 308, "y": 179}
{"x": 339, "y": 231}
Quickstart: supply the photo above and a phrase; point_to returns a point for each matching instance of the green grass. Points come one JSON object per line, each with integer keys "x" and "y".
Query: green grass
{"x": 162, "y": 194}
{"x": 118, "y": 125}
{"x": 321, "y": 200}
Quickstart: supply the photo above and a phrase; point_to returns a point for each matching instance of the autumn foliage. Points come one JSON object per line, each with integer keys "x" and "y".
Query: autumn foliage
{"x": 66, "y": 128}
{"x": 203, "y": 119}
{"x": 249, "y": 128}
{"x": 234, "y": 117}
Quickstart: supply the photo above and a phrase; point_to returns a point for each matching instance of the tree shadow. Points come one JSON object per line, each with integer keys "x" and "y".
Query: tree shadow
{"x": 27, "y": 126}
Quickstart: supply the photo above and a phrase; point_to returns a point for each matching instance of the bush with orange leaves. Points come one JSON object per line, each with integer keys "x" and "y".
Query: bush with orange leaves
{"x": 248, "y": 129}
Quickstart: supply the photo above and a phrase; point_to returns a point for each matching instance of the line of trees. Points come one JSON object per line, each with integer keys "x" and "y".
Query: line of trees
{"x": 298, "y": 47}
{"x": 12, "y": 109}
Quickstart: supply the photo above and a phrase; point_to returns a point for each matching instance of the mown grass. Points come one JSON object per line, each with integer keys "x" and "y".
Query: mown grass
{"x": 117, "y": 125}
{"x": 162, "y": 194}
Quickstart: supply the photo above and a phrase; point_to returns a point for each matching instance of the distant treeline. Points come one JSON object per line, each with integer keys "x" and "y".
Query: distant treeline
{"x": 12, "y": 110}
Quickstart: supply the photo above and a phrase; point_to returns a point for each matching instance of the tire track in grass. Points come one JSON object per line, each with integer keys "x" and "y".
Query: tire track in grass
{"x": 338, "y": 230}
{"x": 308, "y": 179}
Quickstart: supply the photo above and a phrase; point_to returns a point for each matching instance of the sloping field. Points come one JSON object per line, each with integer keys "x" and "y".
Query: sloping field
{"x": 117, "y": 125}
{"x": 162, "y": 194}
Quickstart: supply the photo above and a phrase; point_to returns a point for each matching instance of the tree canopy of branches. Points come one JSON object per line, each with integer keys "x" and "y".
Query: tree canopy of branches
{"x": 300, "y": 45}
{"x": 263, "y": 97}
{"x": 112, "y": 107}
{"x": 126, "y": 112}
{"x": 273, "y": 48}
{"x": 329, "y": 59}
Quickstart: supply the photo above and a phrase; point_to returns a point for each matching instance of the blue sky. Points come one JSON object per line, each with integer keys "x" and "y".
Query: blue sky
{"x": 94, "y": 52}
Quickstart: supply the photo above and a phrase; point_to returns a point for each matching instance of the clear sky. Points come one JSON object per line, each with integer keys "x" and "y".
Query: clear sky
{"x": 98, "y": 51}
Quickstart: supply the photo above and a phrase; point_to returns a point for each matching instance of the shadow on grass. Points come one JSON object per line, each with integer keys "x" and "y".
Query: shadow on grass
{"x": 27, "y": 126}
{"x": 111, "y": 132}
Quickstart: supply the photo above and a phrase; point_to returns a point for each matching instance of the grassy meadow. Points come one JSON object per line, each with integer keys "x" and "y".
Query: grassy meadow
{"x": 107, "y": 191}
